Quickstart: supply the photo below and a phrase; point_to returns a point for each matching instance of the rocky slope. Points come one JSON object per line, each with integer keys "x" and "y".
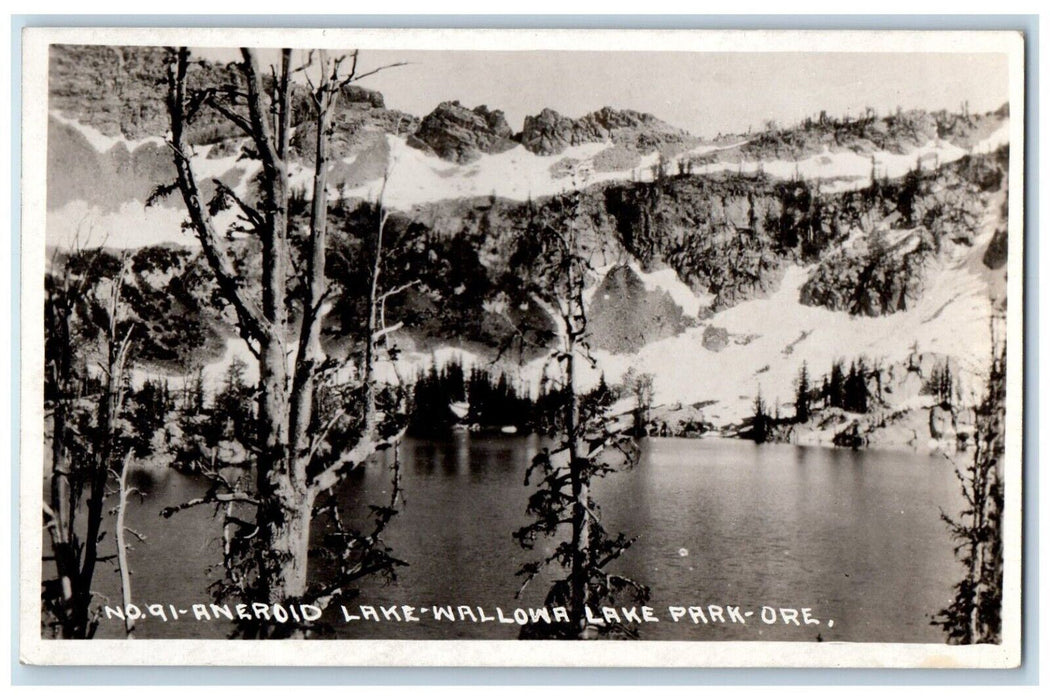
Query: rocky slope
{"x": 624, "y": 316}
{"x": 873, "y": 276}
{"x": 880, "y": 267}
{"x": 898, "y": 133}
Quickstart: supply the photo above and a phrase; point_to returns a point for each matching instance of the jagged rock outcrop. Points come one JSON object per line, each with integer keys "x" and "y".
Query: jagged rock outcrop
{"x": 549, "y": 132}
{"x": 871, "y": 276}
{"x": 951, "y": 213}
{"x": 624, "y": 316}
{"x": 456, "y": 133}
{"x": 361, "y": 120}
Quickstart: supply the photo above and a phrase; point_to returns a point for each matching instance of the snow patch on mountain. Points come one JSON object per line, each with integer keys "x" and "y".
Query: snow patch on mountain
{"x": 101, "y": 142}
{"x": 417, "y": 177}
{"x": 771, "y": 337}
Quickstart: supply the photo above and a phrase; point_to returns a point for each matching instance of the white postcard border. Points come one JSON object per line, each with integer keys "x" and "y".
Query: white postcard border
{"x": 35, "y": 650}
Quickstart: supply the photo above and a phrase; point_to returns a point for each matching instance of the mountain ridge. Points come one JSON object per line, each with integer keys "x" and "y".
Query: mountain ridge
{"x": 701, "y": 244}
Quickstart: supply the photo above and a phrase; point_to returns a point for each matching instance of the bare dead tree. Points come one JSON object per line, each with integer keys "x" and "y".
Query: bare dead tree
{"x": 85, "y": 429}
{"x": 120, "y": 533}
{"x": 302, "y": 450}
{"x": 59, "y": 309}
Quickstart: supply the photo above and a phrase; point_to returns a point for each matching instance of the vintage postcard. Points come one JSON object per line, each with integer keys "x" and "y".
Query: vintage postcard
{"x": 507, "y": 347}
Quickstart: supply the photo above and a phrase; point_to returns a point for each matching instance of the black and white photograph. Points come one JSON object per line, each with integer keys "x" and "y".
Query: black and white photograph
{"x": 556, "y": 348}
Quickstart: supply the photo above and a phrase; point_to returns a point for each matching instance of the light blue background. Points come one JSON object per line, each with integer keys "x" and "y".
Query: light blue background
{"x": 1027, "y": 674}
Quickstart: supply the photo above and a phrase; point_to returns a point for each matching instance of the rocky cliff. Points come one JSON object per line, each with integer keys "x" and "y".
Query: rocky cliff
{"x": 871, "y": 276}
{"x": 461, "y": 135}
{"x": 549, "y": 133}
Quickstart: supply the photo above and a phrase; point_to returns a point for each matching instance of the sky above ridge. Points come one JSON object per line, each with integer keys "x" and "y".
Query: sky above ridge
{"x": 704, "y": 93}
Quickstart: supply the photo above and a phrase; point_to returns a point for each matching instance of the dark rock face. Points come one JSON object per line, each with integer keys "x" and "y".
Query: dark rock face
{"x": 871, "y": 278}
{"x": 111, "y": 88}
{"x": 951, "y": 213}
{"x": 995, "y": 255}
{"x": 624, "y": 316}
{"x": 119, "y": 90}
{"x": 721, "y": 234}
{"x": 549, "y": 132}
{"x": 461, "y": 135}
{"x": 715, "y": 338}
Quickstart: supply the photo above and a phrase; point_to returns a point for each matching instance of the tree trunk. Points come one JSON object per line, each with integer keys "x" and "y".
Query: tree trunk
{"x": 122, "y": 548}
{"x": 285, "y": 486}
{"x": 579, "y": 483}
{"x": 310, "y": 355}
{"x": 63, "y": 544}
{"x": 284, "y": 521}
{"x": 109, "y": 409}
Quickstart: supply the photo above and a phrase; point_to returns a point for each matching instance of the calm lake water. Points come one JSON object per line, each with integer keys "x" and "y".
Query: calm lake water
{"x": 854, "y": 536}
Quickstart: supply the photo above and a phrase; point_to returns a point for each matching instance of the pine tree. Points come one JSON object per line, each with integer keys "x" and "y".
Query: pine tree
{"x": 946, "y": 385}
{"x": 802, "y": 397}
{"x": 836, "y": 389}
{"x": 588, "y": 443}
{"x": 760, "y": 419}
{"x": 975, "y": 614}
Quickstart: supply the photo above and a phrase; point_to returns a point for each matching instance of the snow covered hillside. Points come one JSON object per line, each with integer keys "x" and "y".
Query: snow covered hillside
{"x": 416, "y": 177}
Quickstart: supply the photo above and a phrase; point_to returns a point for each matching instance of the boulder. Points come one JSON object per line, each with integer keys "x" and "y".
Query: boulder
{"x": 715, "y": 338}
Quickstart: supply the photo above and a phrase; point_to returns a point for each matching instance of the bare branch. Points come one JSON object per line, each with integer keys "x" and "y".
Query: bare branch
{"x": 236, "y": 497}
{"x": 249, "y": 315}
{"x": 364, "y": 448}
{"x": 381, "y": 68}
{"x": 387, "y": 330}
